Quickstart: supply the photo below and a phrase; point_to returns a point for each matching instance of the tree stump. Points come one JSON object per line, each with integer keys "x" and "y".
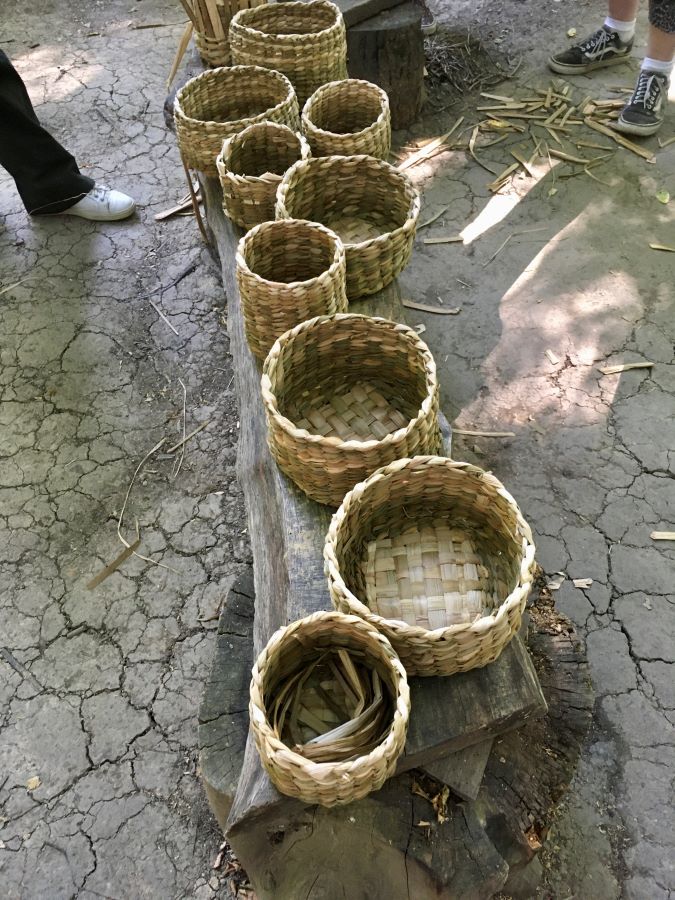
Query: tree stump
{"x": 389, "y": 51}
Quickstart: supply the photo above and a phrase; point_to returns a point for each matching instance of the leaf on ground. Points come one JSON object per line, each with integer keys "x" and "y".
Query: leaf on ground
{"x": 571, "y": 32}
{"x": 662, "y": 196}
{"x": 553, "y": 584}
{"x": 33, "y": 783}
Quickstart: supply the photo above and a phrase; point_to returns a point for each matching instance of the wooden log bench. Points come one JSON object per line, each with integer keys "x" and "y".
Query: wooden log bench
{"x": 376, "y": 847}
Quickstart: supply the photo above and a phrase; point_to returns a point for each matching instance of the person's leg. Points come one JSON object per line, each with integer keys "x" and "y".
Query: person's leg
{"x": 609, "y": 45}
{"x": 644, "y": 112}
{"x": 46, "y": 175}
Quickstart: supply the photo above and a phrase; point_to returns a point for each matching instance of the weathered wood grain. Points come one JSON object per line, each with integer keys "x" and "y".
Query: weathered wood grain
{"x": 388, "y": 49}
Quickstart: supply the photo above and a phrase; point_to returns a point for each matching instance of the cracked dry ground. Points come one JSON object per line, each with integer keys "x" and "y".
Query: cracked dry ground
{"x": 100, "y": 689}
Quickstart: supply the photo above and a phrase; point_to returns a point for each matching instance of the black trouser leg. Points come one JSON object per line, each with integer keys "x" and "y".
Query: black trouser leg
{"x": 46, "y": 175}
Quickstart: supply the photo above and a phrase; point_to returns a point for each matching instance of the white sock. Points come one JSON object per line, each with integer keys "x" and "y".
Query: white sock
{"x": 625, "y": 30}
{"x": 657, "y": 65}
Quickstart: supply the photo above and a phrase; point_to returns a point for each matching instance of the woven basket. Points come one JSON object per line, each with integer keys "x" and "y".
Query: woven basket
{"x": 250, "y": 167}
{"x": 348, "y": 117}
{"x": 287, "y": 272}
{"x": 305, "y": 41}
{"x": 372, "y": 206}
{"x": 437, "y": 556}
{"x": 221, "y": 102}
{"x": 344, "y": 395}
{"x": 294, "y": 648}
{"x": 211, "y": 20}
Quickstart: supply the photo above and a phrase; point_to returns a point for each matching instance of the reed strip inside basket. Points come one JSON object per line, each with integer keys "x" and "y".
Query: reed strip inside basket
{"x": 333, "y": 708}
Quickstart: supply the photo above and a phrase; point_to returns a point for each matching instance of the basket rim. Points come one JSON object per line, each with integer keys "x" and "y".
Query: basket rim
{"x": 401, "y": 629}
{"x": 285, "y": 424}
{"x": 222, "y": 160}
{"x": 412, "y": 214}
{"x": 243, "y": 266}
{"x": 400, "y": 716}
{"x": 237, "y": 23}
{"x": 237, "y": 70}
{"x": 381, "y": 119}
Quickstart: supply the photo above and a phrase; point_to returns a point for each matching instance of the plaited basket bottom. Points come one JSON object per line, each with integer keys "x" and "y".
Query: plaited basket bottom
{"x": 353, "y": 229}
{"x": 431, "y": 576}
{"x": 360, "y": 413}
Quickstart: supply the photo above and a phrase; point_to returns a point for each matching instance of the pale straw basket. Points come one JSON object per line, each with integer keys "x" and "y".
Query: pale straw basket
{"x": 437, "y": 556}
{"x": 370, "y": 204}
{"x": 305, "y": 41}
{"x": 288, "y": 271}
{"x": 295, "y": 649}
{"x": 344, "y": 395}
{"x": 251, "y": 165}
{"x": 349, "y": 117}
{"x": 222, "y": 102}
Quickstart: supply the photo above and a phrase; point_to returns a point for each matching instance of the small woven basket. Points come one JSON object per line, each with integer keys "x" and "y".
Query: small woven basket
{"x": 372, "y": 206}
{"x": 251, "y": 165}
{"x": 288, "y": 271}
{"x": 213, "y": 51}
{"x": 305, "y": 41}
{"x": 295, "y": 649}
{"x": 349, "y": 117}
{"x": 344, "y": 395}
{"x": 437, "y": 556}
{"x": 221, "y": 102}
{"x": 211, "y": 20}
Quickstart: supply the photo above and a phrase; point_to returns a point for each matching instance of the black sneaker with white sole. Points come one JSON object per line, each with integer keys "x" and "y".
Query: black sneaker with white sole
{"x": 602, "y": 48}
{"x": 643, "y": 114}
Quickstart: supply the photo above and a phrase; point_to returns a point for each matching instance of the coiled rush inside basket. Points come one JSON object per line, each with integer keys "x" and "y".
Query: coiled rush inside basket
{"x": 329, "y": 708}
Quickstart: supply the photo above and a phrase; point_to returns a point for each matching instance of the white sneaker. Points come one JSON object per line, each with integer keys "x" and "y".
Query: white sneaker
{"x": 102, "y": 204}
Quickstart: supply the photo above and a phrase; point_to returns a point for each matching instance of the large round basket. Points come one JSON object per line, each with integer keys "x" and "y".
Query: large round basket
{"x": 372, "y": 206}
{"x": 305, "y": 41}
{"x": 348, "y": 117}
{"x": 296, "y": 652}
{"x": 436, "y": 555}
{"x": 221, "y": 102}
{"x": 344, "y": 395}
{"x": 288, "y": 271}
{"x": 251, "y": 165}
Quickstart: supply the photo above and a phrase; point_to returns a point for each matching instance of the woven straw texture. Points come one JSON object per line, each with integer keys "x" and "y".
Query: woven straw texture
{"x": 437, "y": 556}
{"x": 251, "y": 165}
{"x": 345, "y": 118}
{"x": 295, "y": 647}
{"x": 221, "y": 102}
{"x": 372, "y": 206}
{"x": 345, "y": 394}
{"x": 288, "y": 271}
{"x": 211, "y": 20}
{"x": 214, "y": 52}
{"x": 305, "y": 41}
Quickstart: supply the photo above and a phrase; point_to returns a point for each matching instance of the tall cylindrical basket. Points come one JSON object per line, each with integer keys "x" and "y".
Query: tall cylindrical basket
{"x": 288, "y": 271}
{"x": 305, "y": 41}
{"x": 345, "y": 118}
{"x": 251, "y": 165}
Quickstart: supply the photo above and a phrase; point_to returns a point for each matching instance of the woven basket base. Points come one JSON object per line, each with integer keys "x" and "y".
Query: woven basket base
{"x": 431, "y": 576}
{"x": 355, "y": 229}
{"x": 361, "y": 413}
